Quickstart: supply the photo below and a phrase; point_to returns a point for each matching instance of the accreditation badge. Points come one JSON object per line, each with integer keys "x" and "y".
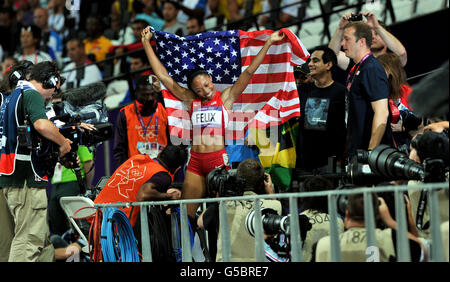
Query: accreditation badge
{"x": 151, "y": 149}
{"x": 57, "y": 175}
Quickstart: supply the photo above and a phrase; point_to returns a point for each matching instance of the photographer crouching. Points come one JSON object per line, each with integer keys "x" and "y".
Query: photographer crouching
{"x": 249, "y": 180}
{"x": 23, "y": 185}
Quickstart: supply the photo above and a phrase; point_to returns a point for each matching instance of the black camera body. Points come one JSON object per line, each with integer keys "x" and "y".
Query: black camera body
{"x": 274, "y": 224}
{"x": 356, "y": 18}
{"x": 225, "y": 183}
{"x": 411, "y": 121}
{"x": 47, "y": 152}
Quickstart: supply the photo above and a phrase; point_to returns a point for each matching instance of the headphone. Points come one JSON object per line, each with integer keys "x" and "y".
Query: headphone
{"x": 20, "y": 72}
{"x": 51, "y": 82}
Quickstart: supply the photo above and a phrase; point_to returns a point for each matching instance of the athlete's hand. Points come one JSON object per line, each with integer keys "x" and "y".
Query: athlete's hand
{"x": 276, "y": 36}
{"x": 146, "y": 35}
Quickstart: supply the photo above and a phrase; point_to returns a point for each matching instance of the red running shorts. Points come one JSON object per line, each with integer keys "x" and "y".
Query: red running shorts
{"x": 202, "y": 163}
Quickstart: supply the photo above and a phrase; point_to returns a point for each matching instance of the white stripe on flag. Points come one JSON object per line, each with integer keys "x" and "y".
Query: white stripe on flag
{"x": 272, "y": 68}
{"x": 273, "y": 50}
{"x": 175, "y": 104}
{"x": 276, "y": 103}
{"x": 269, "y": 87}
{"x": 179, "y": 122}
{"x": 288, "y": 113}
{"x": 262, "y": 37}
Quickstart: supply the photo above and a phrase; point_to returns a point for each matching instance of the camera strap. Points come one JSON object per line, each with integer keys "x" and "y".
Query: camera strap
{"x": 421, "y": 209}
{"x": 25, "y": 120}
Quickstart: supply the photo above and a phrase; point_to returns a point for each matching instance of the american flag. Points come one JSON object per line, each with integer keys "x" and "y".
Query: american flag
{"x": 271, "y": 98}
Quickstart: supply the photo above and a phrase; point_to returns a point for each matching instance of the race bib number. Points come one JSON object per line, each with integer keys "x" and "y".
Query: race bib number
{"x": 207, "y": 117}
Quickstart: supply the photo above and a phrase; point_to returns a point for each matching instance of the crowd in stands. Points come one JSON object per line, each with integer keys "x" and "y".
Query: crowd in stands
{"x": 354, "y": 95}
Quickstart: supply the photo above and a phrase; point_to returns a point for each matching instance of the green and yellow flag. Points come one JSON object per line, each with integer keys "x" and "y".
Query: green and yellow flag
{"x": 277, "y": 151}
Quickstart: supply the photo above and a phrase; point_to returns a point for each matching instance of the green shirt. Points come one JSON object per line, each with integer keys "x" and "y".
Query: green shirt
{"x": 64, "y": 175}
{"x": 34, "y": 107}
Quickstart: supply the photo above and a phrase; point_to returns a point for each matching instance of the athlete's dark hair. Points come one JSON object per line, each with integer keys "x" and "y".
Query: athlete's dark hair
{"x": 193, "y": 74}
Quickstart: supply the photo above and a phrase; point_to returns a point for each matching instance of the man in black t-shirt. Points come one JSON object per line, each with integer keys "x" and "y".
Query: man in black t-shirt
{"x": 367, "y": 85}
{"x": 322, "y": 104}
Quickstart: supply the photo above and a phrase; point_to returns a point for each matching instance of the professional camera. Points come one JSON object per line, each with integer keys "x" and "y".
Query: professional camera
{"x": 302, "y": 71}
{"x": 225, "y": 183}
{"x": 356, "y": 18}
{"x": 80, "y": 105}
{"x": 384, "y": 163}
{"x": 271, "y": 221}
{"x": 410, "y": 120}
{"x": 274, "y": 224}
{"x": 47, "y": 152}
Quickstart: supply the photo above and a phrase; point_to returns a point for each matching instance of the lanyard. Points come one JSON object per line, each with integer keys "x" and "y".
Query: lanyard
{"x": 141, "y": 121}
{"x": 353, "y": 72}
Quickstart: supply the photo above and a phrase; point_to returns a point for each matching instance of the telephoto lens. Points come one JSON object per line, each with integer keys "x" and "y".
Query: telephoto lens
{"x": 272, "y": 222}
{"x": 394, "y": 165}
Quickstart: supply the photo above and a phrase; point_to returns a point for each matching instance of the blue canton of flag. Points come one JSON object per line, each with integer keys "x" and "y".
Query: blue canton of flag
{"x": 216, "y": 52}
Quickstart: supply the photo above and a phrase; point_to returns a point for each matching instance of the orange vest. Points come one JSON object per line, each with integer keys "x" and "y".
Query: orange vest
{"x": 126, "y": 181}
{"x": 135, "y": 131}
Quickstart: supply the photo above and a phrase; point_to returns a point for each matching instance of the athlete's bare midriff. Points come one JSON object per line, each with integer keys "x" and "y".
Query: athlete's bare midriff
{"x": 208, "y": 143}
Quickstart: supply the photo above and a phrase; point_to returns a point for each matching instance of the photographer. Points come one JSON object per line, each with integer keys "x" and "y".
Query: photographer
{"x": 241, "y": 242}
{"x": 314, "y": 222}
{"x": 353, "y": 242}
{"x": 428, "y": 146}
{"x": 23, "y": 186}
{"x": 316, "y": 209}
